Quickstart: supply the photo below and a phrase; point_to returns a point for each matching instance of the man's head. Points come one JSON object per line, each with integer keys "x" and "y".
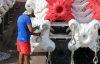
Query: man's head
{"x": 29, "y": 12}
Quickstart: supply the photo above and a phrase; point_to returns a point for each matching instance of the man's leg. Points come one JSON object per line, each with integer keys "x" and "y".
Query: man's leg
{"x": 25, "y": 49}
{"x": 27, "y": 59}
{"x": 21, "y": 58}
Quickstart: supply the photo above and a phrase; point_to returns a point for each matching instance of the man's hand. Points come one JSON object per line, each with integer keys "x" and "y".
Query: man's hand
{"x": 37, "y": 27}
{"x": 36, "y": 34}
{"x": 32, "y": 29}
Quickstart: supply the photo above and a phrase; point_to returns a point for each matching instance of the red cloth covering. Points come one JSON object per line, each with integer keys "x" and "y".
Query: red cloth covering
{"x": 95, "y": 6}
{"x": 59, "y": 10}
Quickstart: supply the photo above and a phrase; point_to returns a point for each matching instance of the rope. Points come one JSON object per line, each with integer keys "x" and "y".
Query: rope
{"x": 72, "y": 54}
{"x": 95, "y": 59}
{"x": 49, "y": 58}
{"x": 72, "y": 60}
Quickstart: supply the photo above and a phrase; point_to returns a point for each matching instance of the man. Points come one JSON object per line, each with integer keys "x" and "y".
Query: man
{"x": 23, "y": 39}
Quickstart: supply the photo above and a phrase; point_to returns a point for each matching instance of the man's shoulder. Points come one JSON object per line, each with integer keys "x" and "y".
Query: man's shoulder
{"x": 23, "y": 16}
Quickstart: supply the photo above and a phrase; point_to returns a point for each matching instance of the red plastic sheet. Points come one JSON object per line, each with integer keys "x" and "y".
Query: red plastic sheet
{"x": 59, "y": 10}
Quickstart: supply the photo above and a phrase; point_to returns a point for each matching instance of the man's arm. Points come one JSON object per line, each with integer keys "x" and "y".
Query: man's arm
{"x": 32, "y": 30}
{"x": 29, "y": 25}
